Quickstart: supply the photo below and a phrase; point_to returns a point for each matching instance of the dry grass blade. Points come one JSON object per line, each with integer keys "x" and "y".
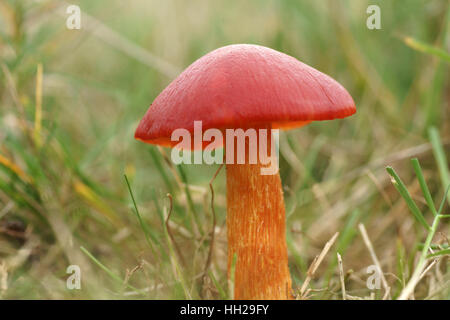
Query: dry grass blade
{"x": 3, "y": 278}
{"x": 341, "y": 276}
{"x": 375, "y": 260}
{"x": 169, "y": 231}
{"x": 213, "y": 230}
{"x": 119, "y": 42}
{"x": 316, "y": 263}
{"x": 420, "y": 267}
{"x": 11, "y": 86}
{"x": 38, "y": 112}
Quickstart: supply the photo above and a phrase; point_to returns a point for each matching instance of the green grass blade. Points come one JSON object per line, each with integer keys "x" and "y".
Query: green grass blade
{"x": 401, "y": 188}
{"x": 141, "y": 221}
{"x": 434, "y": 246}
{"x": 423, "y": 185}
{"x": 222, "y": 293}
{"x": 426, "y": 48}
{"x": 401, "y": 272}
{"x": 191, "y": 206}
{"x": 299, "y": 262}
{"x": 439, "y": 155}
{"x": 101, "y": 265}
{"x": 156, "y": 157}
{"x": 439, "y": 253}
{"x": 107, "y": 270}
{"x": 441, "y": 207}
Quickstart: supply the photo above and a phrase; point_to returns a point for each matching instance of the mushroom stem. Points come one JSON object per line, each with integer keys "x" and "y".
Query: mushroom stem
{"x": 256, "y": 233}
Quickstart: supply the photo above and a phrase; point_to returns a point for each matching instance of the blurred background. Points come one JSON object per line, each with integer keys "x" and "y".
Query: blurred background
{"x": 70, "y": 101}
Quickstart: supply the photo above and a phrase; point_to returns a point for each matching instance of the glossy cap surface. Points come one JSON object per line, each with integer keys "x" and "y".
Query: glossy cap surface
{"x": 242, "y": 85}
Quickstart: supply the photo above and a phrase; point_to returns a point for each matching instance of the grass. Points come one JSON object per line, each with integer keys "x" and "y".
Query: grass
{"x": 71, "y": 99}
{"x": 398, "y": 183}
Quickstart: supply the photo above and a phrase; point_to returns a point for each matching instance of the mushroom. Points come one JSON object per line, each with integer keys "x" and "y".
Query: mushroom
{"x": 248, "y": 86}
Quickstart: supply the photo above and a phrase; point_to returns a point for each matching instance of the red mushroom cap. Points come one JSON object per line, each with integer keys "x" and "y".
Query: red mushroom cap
{"x": 241, "y": 85}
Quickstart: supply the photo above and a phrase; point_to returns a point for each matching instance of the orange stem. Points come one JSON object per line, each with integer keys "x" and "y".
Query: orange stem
{"x": 256, "y": 233}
